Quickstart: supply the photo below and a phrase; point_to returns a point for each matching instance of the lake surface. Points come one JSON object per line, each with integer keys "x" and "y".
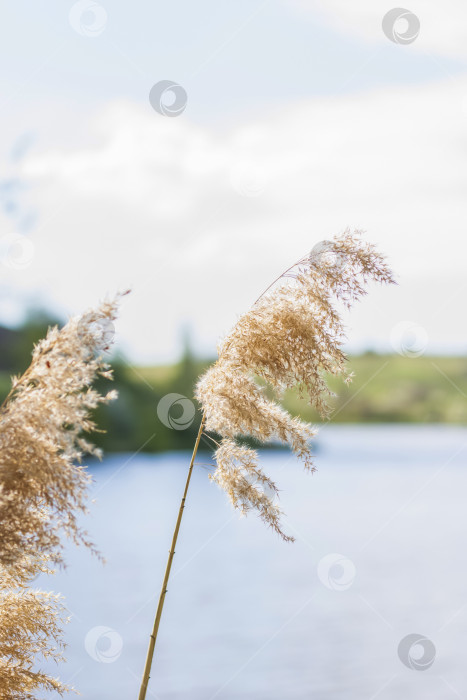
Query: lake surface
{"x": 380, "y": 554}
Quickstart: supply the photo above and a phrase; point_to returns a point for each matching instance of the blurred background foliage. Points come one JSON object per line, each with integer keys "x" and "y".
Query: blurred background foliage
{"x": 386, "y": 389}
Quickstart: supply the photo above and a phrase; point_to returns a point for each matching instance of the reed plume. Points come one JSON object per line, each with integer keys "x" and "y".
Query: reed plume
{"x": 30, "y": 630}
{"x": 42, "y": 489}
{"x": 291, "y": 337}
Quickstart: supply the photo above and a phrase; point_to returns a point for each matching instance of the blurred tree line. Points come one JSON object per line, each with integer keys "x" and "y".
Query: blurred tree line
{"x": 386, "y": 388}
{"x": 131, "y": 422}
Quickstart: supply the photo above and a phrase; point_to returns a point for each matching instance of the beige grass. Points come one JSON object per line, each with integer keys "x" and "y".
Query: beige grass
{"x": 43, "y": 491}
{"x": 291, "y": 337}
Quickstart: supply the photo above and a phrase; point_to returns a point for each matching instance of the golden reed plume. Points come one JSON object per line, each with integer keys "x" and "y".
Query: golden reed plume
{"x": 291, "y": 337}
{"x": 42, "y": 490}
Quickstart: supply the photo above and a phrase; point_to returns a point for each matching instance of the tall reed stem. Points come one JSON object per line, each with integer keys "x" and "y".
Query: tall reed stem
{"x": 153, "y": 636}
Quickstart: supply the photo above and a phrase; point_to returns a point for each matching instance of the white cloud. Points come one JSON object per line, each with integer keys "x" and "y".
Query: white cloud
{"x": 442, "y": 25}
{"x": 199, "y": 222}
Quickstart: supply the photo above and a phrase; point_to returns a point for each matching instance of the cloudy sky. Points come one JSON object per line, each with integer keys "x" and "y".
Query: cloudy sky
{"x": 301, "y": 118}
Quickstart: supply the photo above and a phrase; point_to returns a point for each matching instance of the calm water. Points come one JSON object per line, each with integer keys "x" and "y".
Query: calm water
{"x": 248, "y": 616}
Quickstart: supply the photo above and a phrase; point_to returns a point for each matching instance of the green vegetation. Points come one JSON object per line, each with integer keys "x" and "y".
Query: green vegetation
{"x": 386, "y": 388}
{"x": 396, "y": 389}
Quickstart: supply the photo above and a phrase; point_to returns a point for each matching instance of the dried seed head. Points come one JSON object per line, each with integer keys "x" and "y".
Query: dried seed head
{"x": 42, "y": 491}
{"x": 291, "y": 337}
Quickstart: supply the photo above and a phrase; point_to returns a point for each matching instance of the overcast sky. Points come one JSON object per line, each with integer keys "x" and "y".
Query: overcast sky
{"x": 302, "y": 118}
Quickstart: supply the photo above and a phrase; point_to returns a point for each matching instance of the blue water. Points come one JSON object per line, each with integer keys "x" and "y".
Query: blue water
{"x": 248, "y": 616}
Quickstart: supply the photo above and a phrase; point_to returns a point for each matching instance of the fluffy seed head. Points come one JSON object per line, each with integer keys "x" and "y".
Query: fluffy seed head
{"x": 43, "y": 491}
{"x": 291, "y": 337}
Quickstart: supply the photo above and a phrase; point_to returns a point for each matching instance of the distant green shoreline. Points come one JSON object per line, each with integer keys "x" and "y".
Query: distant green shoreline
{"x": 386, "y": 389}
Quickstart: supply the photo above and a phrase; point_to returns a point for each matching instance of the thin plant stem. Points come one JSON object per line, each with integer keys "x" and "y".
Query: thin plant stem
{"x": 153, "y": 636}
{"x": 284, "y": 274}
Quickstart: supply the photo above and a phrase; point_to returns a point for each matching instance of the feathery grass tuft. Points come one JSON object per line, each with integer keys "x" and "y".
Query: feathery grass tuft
{"x": 43, "y": 491}
{"x": 291, "y": 337}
